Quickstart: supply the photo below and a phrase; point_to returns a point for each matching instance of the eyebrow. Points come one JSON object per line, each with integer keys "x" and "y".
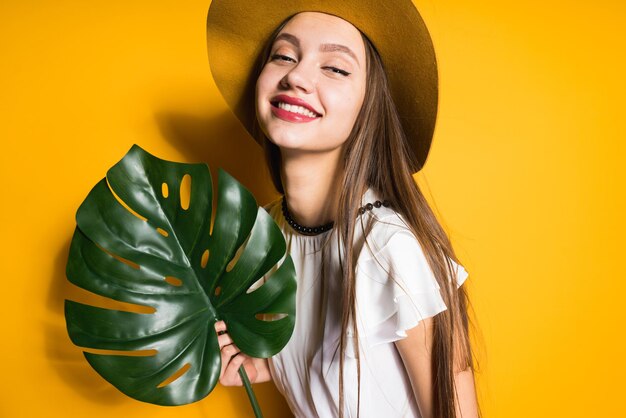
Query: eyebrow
{"x": 323, "y": 48}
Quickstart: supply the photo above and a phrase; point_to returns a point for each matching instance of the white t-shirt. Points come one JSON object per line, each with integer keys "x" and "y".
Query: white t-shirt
{"x": 306, "y": 371}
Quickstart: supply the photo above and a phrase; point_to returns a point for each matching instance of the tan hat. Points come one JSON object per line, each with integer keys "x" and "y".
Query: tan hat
{"x": 238, "y": 29}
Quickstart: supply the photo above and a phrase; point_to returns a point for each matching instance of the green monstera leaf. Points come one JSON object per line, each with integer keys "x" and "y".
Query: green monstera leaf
{"x": 142, "y": 240}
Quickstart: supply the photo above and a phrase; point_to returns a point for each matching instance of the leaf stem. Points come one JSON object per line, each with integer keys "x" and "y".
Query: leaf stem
{"x": 246, "y": 382}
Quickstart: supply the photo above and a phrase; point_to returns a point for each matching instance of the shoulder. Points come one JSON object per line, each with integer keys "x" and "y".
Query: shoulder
{"x": 391, "y": 251}
{"x": 380, "y": 225}
{"x": 393, "y": 256}
{"x": 385, "y": 229}
{"x": 395, "y": 286}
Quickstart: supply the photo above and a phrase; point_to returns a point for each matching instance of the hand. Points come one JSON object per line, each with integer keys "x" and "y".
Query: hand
{"x": 257, "y": 369}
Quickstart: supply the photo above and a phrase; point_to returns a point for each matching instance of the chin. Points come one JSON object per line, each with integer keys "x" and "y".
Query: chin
{"x": 286, "y": 136}
{"x": 287, "y": 143}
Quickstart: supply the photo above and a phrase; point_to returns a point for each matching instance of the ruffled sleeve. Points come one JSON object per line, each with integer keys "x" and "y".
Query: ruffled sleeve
{"x": 397, "y": 288}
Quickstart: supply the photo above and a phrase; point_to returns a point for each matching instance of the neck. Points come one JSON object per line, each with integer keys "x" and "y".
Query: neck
{"x": 311, "y": 182}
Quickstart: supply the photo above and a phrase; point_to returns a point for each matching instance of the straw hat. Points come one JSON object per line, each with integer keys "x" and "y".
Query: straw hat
{"x": 238, "y": 29}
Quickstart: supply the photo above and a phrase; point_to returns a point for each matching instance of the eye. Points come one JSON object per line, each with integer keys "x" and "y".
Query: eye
{"x": 281, "y": 57}
{"x": 339, "y": 71}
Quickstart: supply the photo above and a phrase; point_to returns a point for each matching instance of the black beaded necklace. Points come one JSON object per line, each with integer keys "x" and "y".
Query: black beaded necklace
{"x": 315, "y": 230}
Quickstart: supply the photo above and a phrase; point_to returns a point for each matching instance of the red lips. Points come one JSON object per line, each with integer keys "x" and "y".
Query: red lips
{"x": 293, "y": 101}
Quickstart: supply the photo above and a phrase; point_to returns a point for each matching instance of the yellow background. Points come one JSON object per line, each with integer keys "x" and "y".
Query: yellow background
{"x": 525, "y": 171}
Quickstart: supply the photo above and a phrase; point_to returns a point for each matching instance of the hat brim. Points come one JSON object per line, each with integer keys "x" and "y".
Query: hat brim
{"x": 237, "y": 31}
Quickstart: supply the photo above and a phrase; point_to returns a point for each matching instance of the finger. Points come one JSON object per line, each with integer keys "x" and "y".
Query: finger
{"x": 226, "y": 354}
{"x": 223, "y": 340}
{"x": 224, "y": 362}
{"x": 230, "y": 350}
{"x": 220, "y": 326}
{"x": 250, "y": 368}
{"x": 231, "y": 374}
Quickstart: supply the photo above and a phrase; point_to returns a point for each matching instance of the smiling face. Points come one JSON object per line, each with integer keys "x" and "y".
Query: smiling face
{"x": 312, "y": 86}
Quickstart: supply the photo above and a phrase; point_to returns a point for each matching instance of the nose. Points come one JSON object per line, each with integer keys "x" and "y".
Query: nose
{"x": 301, "y": 76}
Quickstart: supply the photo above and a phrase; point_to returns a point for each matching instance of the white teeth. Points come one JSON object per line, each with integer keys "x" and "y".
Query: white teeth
{"x": 297, "y": 109}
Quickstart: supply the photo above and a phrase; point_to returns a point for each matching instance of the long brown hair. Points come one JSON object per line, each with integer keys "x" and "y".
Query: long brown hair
{"x": 376, "y": 154}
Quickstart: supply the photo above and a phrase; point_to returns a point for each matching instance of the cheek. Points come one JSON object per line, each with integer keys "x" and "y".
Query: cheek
{"x": 360, "y": 96}
{"x": 260, "y": 85}
{"x": 261, "y": 91}
{"x": 264, "y": 80}
{"x": 347, "y": 104}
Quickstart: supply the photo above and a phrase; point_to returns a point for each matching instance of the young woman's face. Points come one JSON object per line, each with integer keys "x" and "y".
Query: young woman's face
{"x": 311, "y": 89}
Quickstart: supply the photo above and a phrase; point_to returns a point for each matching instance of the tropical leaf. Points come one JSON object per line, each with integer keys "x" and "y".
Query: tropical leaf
{"x": 144, "y": 237}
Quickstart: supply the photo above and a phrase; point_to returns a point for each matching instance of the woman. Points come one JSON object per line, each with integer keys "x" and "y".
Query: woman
{"x": 380, "y": 330}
